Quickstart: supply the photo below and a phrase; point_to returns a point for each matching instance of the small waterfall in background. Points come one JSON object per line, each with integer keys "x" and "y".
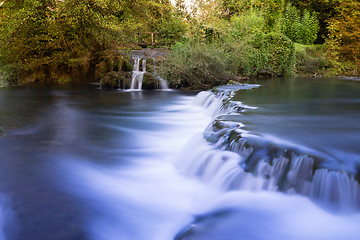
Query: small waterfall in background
{"x": 163, "y": 84}
{"x": 231, "y": 158}
{"x": 138, "y": 76}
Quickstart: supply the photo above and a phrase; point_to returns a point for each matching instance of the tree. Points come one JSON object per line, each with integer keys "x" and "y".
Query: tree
{"x": 300, "y": 28}
{"x": 24, "y": 35}
{"x": 48, "y": 40}
{"x": 344, "y": 39}
{"x": 324, "y": 9}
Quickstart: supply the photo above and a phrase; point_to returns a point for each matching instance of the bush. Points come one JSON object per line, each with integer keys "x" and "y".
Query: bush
{"x": 195, "y": 65}
{"x": 280, "y": 52}
{"x": 250, "y": 23}
{"x": 264, "y": 54}
{"x": 311, "y": 59}
{"x": 300, "y": 29}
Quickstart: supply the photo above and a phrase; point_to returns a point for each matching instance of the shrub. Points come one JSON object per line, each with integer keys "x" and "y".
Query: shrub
{"x": 250, "y": 23}
{"x": 271, "y": 54}
{"x": 195, "y": 65}
{"x": 300, "y": 29}
{"x": 311, "y": 59}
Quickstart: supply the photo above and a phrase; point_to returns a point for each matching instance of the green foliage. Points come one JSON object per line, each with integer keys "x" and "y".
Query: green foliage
{"x": 264, "y": 54}
{"x": 223, "y": 48}
{"x": 66, "y": 41}
{"x": 3, "y": 83}
{"x": 201, "y": 65}
{"x": 45, "y": 40}
{"x": 291, "y": 23}
{"x": 196, "y": 65}
{"x": 311, "y": 60}
{"x": 257, "y": 38}
{"x": 300, "y": 29}
{"x": 309, "y": 28}
{"x": 344, "y": 39}
{"x": 172, "y": 30}
{"x": 250, "y": 23}
{"x": 279, "y": 52}
{"x": 325, "y": 10}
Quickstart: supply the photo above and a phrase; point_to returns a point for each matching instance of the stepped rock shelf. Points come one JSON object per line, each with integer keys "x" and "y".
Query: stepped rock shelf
{"x": 132, "y": 71}
{"x": 238, "y": 159}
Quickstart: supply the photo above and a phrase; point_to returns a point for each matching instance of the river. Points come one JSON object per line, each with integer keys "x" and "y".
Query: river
{"x": 82, "y": 163}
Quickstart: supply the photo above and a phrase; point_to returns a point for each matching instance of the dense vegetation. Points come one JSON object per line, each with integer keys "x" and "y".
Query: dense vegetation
{"x": 61, "y": 41}
{"x": 267, "y": 37}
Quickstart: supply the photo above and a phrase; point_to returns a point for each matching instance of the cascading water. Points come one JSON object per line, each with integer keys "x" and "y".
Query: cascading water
{"x": 237, "y": 159}
{"x": 138, "y": 76}
{"x": 163, "y": 84}
{"x": 95, "y": 165}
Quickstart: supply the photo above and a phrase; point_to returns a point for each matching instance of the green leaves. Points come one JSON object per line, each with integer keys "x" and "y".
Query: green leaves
{"x": 300, "y": 29}
{"x": 43, "y": 39}
{"x": 196, "y": 65}
{"x": 344, "y": 40}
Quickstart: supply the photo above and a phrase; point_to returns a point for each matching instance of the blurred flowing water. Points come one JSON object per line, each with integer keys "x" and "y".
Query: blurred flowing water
{"x": 82, "y": 163}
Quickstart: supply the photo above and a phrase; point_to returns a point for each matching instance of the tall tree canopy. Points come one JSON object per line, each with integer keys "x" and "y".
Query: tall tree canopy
{"x": 40, "y": 39}
{"x": 344, "y": 40}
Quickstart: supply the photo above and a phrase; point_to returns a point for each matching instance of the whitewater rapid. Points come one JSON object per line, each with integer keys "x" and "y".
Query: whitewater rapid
{"x": 160, "y": 189}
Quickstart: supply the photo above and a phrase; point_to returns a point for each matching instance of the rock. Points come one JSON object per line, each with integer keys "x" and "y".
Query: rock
{"x": 116, "y": 80}
{"x": 111, "y": 61}
{"x": 150, "y": 81}
{"x": 150, "y": 65}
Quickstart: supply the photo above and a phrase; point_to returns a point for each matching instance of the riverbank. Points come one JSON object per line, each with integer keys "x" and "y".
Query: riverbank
{"x": 200, "y": 66}
{"x": 196, "y": 67}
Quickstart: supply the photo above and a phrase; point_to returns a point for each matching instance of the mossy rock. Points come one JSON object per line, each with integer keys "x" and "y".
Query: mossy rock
{"x": 126, "y": 66}
{"x": 150, "y": 81}
{"x": 124, "y": 80}
{"x": 100, "y": 70}
{"x": 150, "y": 65}
{"x": 111, "y": 62}
{"x": 116, "y": 80}
{"x": 110, "y": 80}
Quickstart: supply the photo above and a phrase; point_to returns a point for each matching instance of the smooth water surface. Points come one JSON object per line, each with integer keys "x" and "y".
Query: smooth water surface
{"x": 90, "y": 164}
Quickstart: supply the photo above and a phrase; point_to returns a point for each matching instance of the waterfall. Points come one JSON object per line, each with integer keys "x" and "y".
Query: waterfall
{"x": 163, "y": 84}
{"x": 138, "y": 76}
{"x": 231, "y": 158}
{"x": 335, "y": 188}
{"x": 144, "y": 65}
